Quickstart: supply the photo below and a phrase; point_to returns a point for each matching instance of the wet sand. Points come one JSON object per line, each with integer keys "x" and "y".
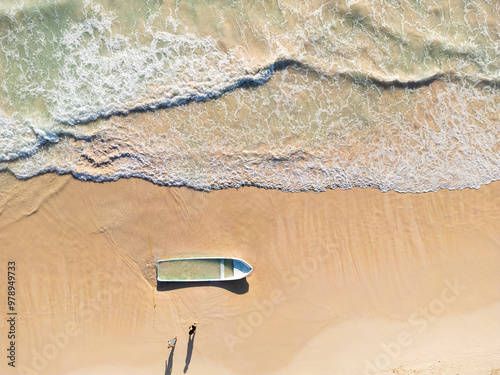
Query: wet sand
{"x": 344, "y": 282}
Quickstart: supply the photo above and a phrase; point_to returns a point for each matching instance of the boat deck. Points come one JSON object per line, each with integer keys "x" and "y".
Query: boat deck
{"x": 195, "y": 269}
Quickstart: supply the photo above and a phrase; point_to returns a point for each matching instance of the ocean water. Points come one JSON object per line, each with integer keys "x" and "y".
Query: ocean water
{"x": 292, "y": 95}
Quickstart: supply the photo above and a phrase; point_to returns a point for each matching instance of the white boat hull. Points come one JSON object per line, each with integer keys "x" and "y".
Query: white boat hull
{"x": 202, "y": 269}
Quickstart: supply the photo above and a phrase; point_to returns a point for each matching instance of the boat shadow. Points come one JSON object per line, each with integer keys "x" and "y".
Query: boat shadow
{"x": 236, "y": 286}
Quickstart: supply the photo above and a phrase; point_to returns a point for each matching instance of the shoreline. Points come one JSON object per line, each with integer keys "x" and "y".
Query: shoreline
{"x": 103, "y": 180}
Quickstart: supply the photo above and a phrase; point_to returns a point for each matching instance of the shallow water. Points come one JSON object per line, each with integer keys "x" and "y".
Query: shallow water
{"x": 194, "y": 269}
{"x": 286, "y": 94}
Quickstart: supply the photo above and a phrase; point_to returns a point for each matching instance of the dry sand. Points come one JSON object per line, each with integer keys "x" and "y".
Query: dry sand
{"x": 344, "y": 282}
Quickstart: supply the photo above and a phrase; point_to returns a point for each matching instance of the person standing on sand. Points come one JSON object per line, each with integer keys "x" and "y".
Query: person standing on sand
{"x": 192, "y": 329}
{"x": 172, "y": 342}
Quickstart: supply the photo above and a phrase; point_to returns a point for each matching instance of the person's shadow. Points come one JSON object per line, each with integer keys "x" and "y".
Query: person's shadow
{"x": 189, "y": 351}
{"x": 169, "y": 364}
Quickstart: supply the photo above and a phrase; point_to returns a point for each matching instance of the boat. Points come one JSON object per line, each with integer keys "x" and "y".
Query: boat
{"x": 201, "y": 269}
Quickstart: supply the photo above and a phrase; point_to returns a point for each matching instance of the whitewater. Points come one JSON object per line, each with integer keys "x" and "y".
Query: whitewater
{"x": 288, "y": 95}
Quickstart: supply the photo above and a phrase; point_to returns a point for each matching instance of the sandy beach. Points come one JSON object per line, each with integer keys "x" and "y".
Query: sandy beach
{"x": 344, "y": 282}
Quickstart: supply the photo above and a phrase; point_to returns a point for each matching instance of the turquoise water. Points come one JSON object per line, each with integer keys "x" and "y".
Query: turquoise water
{"x": 289, "y": 95}
{"x": 194, "y": 269}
